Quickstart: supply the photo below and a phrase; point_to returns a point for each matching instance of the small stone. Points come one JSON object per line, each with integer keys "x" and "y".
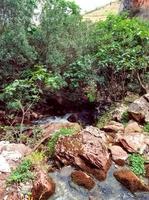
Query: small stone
{"x": 82, "y": 179}
{"x": 119, "y": 156}
{"x": 130, "y": 181}
{"x": 43, "y": 187}
{"x": 114, "y": 127}
{"x": 133, "y": 127}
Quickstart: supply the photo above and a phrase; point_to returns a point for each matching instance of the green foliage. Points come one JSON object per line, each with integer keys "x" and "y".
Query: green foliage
{"x": 36, "y": 158}
{"x": 22, "y": 173}
{"x": 57, "y": 135}
{"x": 26, "y": 92}
{"x": 15, "y": 19}
{"x": 62, "y": 31}
{"x": 120, "y": 49}
{"x": 80, "y": 73}
{"x": 136, "y": 163}
{"x": 124, "y": 43}
{"x": 146, "y": 127}
{"x": 125, "y": 117}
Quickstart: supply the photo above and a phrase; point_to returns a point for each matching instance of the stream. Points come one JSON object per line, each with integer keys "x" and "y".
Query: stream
{"x": 110, "y": 189}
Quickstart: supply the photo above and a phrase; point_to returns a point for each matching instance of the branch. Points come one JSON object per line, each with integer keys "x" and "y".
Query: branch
{"x": 141, "y": 83}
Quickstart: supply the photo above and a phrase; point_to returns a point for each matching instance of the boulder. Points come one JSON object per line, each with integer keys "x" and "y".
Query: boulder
{"x": 82, "y": 179}
{"x": 119, "y": 156}
{"x": 132, "y": 127}
{"x": 139, "y": 109}
{"x": 113, "y": 126}
{"x": 131, "y": 181}
{"x": 85, "y": 150}
{"x": 43, "y": 187}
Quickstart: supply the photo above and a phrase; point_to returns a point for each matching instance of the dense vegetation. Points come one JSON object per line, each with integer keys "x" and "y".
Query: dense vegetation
{"x": 63, "y": 53}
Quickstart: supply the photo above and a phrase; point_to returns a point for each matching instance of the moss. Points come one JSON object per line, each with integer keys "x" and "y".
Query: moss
{"x": 57, "y": 135}
{"x": 146, "y": 127}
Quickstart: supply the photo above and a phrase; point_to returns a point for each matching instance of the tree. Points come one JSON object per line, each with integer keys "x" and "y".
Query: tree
{"x": 63, "y": 33}
{"x": 15, "y": 21}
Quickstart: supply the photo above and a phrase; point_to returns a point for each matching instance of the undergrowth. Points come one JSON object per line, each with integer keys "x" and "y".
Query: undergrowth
{"x": 22, "y": 173}
{"x": 136, "y": 163}
{"x": 25, "y": 170}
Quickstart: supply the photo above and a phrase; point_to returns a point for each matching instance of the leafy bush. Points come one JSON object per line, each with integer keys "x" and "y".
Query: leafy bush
{"x": 22, "y": 173}
{"x": 121, "y": 49}
{"x": 24, "y": 93}
{"x": 136, "y": 163}
{"x": 57, "y": 135}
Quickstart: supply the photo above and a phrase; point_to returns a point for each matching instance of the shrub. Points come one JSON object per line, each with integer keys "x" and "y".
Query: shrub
{"x": 136, "y": 163}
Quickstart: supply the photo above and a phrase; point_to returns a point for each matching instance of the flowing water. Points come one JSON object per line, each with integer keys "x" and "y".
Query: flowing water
{"x": 110, "y": 189}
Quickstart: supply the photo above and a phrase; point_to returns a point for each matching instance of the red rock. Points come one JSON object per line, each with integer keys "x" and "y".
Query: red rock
{"x": 131, "y": 181}
{"x": 119, "y": 156}
{"x": 85, "y": 150}
{"x": 114, "y": 127}
{"x": 82, "y": 179}
{"x": 133, "y": 142}
{"x": 133, "y": 127}
{"x": 138, "y": 110}
{"x": 147, "y": 170}
{"x": 14, "y": 196}
{"x": 43, "y": 187}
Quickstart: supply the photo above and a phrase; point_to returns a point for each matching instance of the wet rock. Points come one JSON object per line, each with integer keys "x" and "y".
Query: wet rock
{"x": 139, "y": 109}
{"x": 133, "y": 127}
{"x": 82, "y": 179}
{"x": 85, "y": 150}
{"x": 130, "y": 180}
{"x": 119, "y": 156}
{"x": 133, "y": 142}
{"x": 114, "y": 127}
{"x": 43, "y": 187}
{"x": 147, "y": 170}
